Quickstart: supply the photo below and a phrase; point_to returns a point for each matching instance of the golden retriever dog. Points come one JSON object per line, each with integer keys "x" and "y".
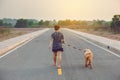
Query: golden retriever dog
{"x": 88, "y": 58}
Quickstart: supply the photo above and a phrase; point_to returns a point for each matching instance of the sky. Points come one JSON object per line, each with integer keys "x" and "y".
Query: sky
{"x": 60, "y": 9}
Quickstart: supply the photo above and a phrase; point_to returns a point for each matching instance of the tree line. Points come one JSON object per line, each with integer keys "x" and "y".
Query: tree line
{"x": 113, "y": 25}
{"x": 84, "y": 23}
{"x": 25, "y": 23}
{"x": 22, "y": 23}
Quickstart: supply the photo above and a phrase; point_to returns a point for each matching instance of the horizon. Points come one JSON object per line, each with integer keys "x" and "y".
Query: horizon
{"x": 54, "y": 19}
{"x": 59, "y": 10}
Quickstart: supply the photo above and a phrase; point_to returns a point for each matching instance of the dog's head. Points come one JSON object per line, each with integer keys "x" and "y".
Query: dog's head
{"x": 86, "y": 50}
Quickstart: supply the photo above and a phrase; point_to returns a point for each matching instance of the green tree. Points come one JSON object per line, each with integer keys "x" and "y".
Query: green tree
{"x": 1, "y": 23}
{"x": 21, "y": 23}
{"x": 66, "y": 22}
{"x": 98, "y": 23}
{"x": 115, "y": 24}
{"x": 47, "y": 23}
{"x": 7, "y": 24}
{"x": 41, "y": 22}
{"x": 30, "y": 23}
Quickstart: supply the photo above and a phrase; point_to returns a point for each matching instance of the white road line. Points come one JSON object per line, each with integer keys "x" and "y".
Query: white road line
{"x": 18, "y": 47}
{"x": 15, "y": 48}
{"x": 96, "y": 45}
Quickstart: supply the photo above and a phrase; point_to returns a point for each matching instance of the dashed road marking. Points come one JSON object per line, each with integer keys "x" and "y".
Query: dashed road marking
{"x": 59, "y": 71}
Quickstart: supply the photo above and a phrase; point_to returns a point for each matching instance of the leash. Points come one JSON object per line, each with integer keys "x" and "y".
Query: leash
{"x": 68, "y": 45}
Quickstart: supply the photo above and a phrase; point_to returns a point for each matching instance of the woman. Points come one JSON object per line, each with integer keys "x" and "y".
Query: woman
{"x": 56, "y": 41}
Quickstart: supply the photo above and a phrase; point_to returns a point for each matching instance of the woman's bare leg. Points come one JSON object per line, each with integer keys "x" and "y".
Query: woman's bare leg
{"x": 55, "y": 58}
{"x": 59, "y": 58}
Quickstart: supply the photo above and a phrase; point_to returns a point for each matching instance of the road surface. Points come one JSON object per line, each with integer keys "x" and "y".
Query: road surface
{"x": 33, "y": 61}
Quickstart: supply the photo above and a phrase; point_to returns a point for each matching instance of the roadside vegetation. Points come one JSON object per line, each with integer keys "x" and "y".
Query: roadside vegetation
{"x": 10, "y": 28}
{"x": 95, "y": 25}
{"x": 109, "y": 29}
{"x": 7, "y": 33}
{"x": 104, "y": 28}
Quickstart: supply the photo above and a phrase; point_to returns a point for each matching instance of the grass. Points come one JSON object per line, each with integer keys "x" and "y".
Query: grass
{"x": 7, "y": 33}
{"x": 100, "y": 31}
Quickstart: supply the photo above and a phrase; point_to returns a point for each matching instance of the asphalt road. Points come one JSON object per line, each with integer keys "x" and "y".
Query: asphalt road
{"x": 33, "y": 61}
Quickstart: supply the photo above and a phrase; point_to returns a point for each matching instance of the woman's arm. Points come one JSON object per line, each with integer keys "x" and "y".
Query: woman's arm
{"x": 51, "y": 42}
{"x": 63, "y": 41}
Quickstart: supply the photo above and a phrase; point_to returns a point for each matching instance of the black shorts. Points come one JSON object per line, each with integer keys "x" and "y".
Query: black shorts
{"x": 55, "y": 50}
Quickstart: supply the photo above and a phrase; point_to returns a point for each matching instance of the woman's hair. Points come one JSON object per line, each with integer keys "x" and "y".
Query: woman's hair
{"x": 56, "y": 27}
